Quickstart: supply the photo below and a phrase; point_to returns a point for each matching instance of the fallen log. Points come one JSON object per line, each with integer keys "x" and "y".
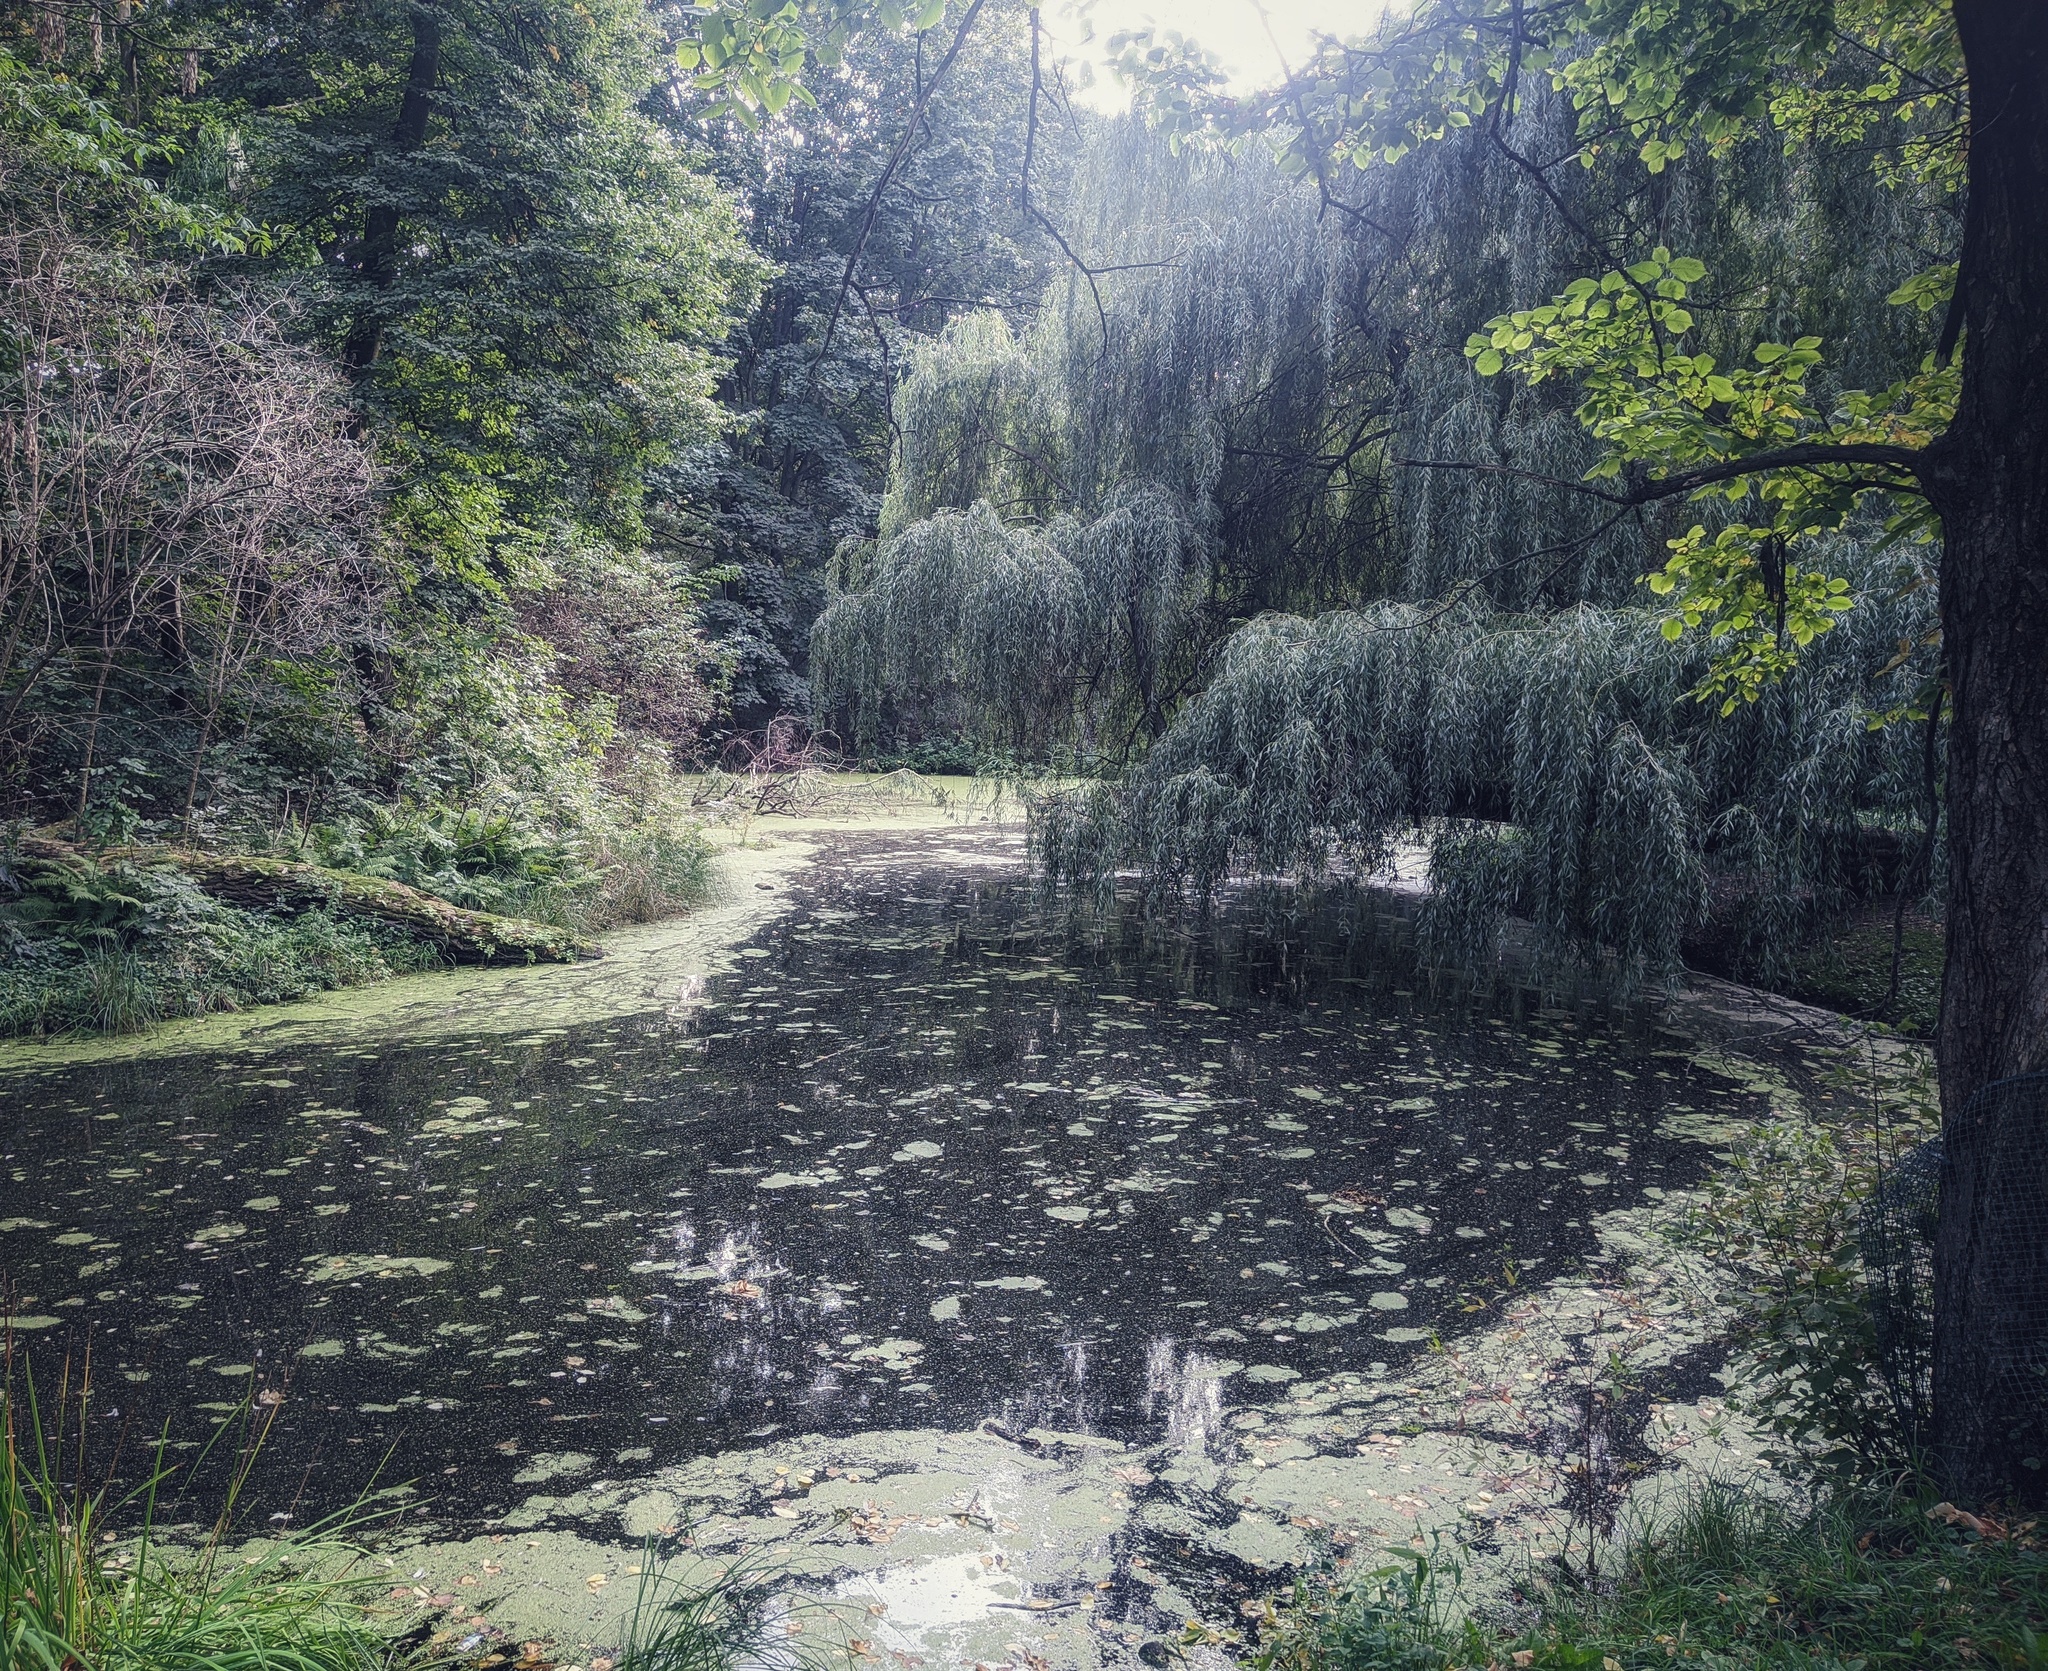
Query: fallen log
{"x": 289, "y": 887}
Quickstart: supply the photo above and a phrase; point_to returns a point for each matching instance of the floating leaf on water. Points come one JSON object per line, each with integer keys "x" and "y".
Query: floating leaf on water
{"x": 349, "y": 1267}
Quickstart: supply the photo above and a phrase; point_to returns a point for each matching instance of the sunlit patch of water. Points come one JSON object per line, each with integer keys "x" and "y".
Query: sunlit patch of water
{"x": 1187, "y": 1390}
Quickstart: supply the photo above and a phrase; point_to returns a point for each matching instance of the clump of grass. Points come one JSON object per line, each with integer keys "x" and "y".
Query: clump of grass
{"x": 739, "y": 1617}
{"x": 1865, "y": 1579}
{"x": 76, "y": 1594}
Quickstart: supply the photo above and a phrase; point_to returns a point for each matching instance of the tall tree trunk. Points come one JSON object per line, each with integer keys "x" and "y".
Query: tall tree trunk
{"x": 1989, "y": 478}
{"x": 131, "y": 73}
{"x": 378, "y": 263}
{"x": 92, "y": 730}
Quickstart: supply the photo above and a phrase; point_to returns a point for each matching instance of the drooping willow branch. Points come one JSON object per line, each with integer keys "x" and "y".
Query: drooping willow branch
{"x": 1037, "y": 215}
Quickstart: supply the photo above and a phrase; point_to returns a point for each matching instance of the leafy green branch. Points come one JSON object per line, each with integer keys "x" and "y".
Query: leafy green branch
{"x": 1673, "y": 423}
{"x": 79, "y": 136}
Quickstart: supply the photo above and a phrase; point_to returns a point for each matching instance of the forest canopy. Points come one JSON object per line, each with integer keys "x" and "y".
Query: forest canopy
{"x": 1179, "y": 458}
{"x": 1375, "y": 605}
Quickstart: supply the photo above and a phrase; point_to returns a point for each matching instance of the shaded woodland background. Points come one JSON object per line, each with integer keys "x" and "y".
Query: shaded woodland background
{"x": 429, "y": 434}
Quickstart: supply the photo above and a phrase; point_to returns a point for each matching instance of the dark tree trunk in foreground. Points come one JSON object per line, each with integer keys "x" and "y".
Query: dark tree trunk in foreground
{"x": 1988, "y": 476}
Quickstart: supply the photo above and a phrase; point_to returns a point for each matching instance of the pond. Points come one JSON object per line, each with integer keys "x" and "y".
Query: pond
{"x": 910, "y": 1160}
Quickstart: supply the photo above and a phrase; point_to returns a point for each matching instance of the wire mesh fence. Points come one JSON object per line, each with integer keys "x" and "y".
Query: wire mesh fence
{"x": 1898, "y": 1232}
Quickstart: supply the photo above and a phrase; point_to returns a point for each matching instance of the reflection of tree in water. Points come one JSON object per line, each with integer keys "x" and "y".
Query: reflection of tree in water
{"x": 916, "y": 1161}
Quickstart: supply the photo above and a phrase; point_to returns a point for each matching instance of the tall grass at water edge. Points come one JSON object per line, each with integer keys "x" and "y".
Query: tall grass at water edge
{"x": 78, "y": 1595}
{"x": 1858, "y": 1581}
{"x": 90, "y": 1582}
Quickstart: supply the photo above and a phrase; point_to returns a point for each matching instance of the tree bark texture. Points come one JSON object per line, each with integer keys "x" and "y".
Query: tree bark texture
{"x": 1988, "y": 477}
{"x": 378, "y": 261}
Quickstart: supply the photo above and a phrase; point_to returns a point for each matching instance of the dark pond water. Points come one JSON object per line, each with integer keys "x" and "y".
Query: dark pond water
{"x": 912, "y": 1165}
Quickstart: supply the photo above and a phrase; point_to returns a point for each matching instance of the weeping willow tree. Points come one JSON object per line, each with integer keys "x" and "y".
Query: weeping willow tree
{"x": 1555, "y": 763}
{"x": 1022, "y": 634}
{"x": 1171, "y": 447}
{"x": 1240, "y": 514}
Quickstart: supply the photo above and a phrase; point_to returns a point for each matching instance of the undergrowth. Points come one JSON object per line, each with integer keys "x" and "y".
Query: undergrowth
{"x": 1849, "y": 968}
{"x": 1860, "y": 1581}
{"x": 89, "y": 1583}
{"x": 128, "y": 947}
{"x": 118, "y": 937}
{"x": 90, "y": 1580}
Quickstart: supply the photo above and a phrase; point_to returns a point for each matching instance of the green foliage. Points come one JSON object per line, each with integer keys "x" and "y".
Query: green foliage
{"x": 1782, "y": 1218}
{"x": 1389, "y": 1618}
{"x": 1725, "y": 1580}
{"x": 48, "y": 116}
{"x": 1017, "y": 630}
{"x": 1202, "y": 447}
{"x": 1647, "y": 402}
{"x": 76, "y": 1596}
{"x": 494, "y": 287}
{"x": 117, "y": 945}
{"x": 873, "y": 262}
{"x": 1553, "y": 759}
{"x": 1881, "y": 78}
{"x": 537, "y": 278}
{"x": 595, "y": 868}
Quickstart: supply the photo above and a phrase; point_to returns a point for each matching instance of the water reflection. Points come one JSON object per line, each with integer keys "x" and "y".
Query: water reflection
{"x": 926, "y": 1159}
{"x": 1186, "y": 1388}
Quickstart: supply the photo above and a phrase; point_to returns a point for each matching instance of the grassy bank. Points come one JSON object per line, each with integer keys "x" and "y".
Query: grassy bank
{"x": 83, "y": 1588}
{"x": 1869, "y": 1580}
{"x": 90, "y": 1580}
{"x": 114, "y": 935}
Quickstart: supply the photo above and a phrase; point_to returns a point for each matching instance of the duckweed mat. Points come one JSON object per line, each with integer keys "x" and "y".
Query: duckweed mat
{"x": 913, "y": 1163}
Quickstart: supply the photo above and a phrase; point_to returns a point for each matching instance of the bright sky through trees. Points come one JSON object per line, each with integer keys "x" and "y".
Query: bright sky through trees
{"x": 1255, "y": 53}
